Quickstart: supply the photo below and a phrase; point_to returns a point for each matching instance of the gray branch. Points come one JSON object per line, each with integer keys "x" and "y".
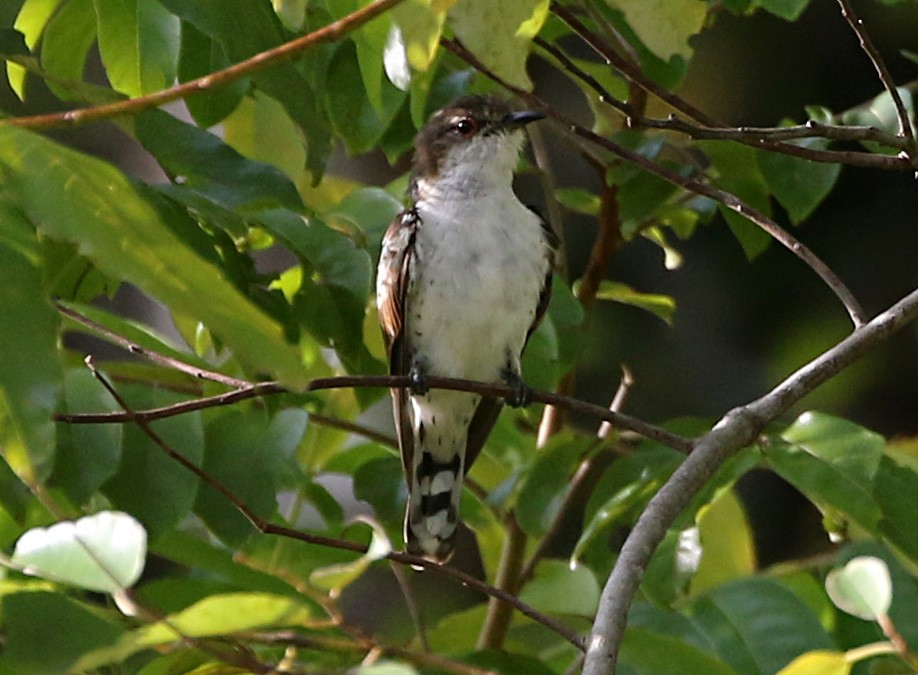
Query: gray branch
{"x": 737, "y": 429}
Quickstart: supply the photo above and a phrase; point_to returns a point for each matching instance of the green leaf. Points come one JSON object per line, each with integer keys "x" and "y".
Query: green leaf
{"x": 149, "y": 484}
{"x": 789, "y": 10}
{"x": 104, "y": 552}
{"x": 881, "y": 113}
{"x": 138, "y": 42}
{"x": 862, "y": 588}
{"x": 87, "y": 201}
{"x": 213, "y": 168}
{"x": 799, "y": 185}
{"x": 498, "y": 33}
{"x": 354, "y": 118}
{"x": 260, "y": 129}
{"x": 542, "y": 489}
{"x": 578, "y": 200}
{"x": 45, "y": 633}
{"x": 819, "y": 662}
{"x": 758, "y": 625}
{"x": 217, "y": 615}
{"x": 283, "y": 81}
{"x": 379, "y": 482}
{"x": 727, "y": 543}
{"x": 557, "y": 589}
{"x": 334, "y": 578}
{"x": 653, "y": 653}
{"x": 850, "y": 448}
{"x": 247, "y": 453}
{"x": 31, "y": 20}
{"x": 200, "y": 55}
{"x": 737, "y": 172}
{"x": 30, "y": 370}
{"x": 895, "y": 487}
{"x": 67, "y": 39}
{"x": 421, "y": 23}
{"x": 662, "y": 306}
{"x": 664, "y": 26}
{"x": 89, "y": 454}
{"x": 627, "y": 484}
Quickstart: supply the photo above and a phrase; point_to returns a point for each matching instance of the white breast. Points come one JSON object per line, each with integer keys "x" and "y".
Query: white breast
{"x": 480, "y": 268}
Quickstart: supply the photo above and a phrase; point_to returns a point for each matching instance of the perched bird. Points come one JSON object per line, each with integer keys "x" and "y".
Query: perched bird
{"x": 464, "y": 278}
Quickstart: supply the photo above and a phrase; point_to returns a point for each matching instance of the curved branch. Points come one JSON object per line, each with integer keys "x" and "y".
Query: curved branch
{"x": 737, "y": 429}
{"x": 330, "y": 33}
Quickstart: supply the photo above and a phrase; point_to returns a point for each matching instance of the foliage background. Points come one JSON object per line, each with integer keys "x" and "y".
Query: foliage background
{"x": 739, "y": 326}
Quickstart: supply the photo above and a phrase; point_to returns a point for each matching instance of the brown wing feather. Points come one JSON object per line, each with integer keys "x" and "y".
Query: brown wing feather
{"x": 395, "y": 263}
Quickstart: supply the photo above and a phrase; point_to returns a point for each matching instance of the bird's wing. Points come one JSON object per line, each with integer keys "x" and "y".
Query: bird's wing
{"x": 395, "y": 264}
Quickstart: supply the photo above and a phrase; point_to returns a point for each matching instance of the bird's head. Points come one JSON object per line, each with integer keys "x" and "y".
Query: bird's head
{"x": 468, "y": 145}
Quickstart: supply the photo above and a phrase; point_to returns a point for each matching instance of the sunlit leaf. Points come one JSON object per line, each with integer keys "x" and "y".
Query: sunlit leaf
{"x": 498, "y": 33}
{"x": 662, "y": 306}
{"x": 138, "y": 42}
{"x": 665, "y": 26}
{"x": 104, "y": 552}
{"x": 862, "y": 587}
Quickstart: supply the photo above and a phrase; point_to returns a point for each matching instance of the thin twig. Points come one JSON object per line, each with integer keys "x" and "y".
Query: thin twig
{"x": 323, "y": 643}
{"x": 737, "y": 429}
{"x": 283, "y": 531}
{"x": 150, "y": 354}
{"x": 729, "y": 200}
{"x": 497, "y": 617}
{"x": 624, "y": 388}
{"x": 389, "y": 381}
{"x": 905, "y": 124}
{"x": 288, "y": 50}
{"x": 711, "y": 128}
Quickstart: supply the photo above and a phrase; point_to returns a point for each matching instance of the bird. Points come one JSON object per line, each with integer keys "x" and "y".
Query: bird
{"x": 464, "y": 278}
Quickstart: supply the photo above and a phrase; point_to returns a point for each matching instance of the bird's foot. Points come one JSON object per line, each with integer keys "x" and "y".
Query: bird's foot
{"x": 522, "y": 394}
{"x": 418, "y": 381}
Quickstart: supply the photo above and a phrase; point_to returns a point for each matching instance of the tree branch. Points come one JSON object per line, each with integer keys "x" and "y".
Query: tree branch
{"x": 737, "y": 429}
{"x": 386, "y": 381}
{"x": 753, "y": 136}
{"x": 905, "y": 124}
{"x": 330, "y": 33}
{"x": 729, "y": 200}
{"x": 283, "y": 531}
{"x": 633, "y": 73}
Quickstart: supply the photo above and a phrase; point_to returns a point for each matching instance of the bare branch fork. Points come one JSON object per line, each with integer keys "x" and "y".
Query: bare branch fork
{"x": 737, "y": 429}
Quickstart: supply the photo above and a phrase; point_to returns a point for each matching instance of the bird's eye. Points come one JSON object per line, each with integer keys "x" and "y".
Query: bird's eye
{"x": 465, "y": 126}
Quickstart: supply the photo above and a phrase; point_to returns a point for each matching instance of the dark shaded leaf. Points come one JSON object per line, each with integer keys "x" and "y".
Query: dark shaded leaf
{"x": 211, "y": 167}
{"x": 201, "y": 55}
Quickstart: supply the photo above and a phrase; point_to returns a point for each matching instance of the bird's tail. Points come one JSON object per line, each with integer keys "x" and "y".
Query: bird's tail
{"x": 432, "y": 516}
{"x": 438, "y": 467}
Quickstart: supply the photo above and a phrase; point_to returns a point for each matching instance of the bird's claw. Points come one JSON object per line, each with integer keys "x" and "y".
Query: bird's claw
{"x": 522, "y": 393}
{"x": 418, "y": 381}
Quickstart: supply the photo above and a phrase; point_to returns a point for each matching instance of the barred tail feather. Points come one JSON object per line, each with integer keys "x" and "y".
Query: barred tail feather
{"x": 432, "y": 516}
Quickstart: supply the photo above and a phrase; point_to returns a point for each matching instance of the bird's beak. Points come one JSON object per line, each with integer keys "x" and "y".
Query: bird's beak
{"x": 518, "y": 119}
